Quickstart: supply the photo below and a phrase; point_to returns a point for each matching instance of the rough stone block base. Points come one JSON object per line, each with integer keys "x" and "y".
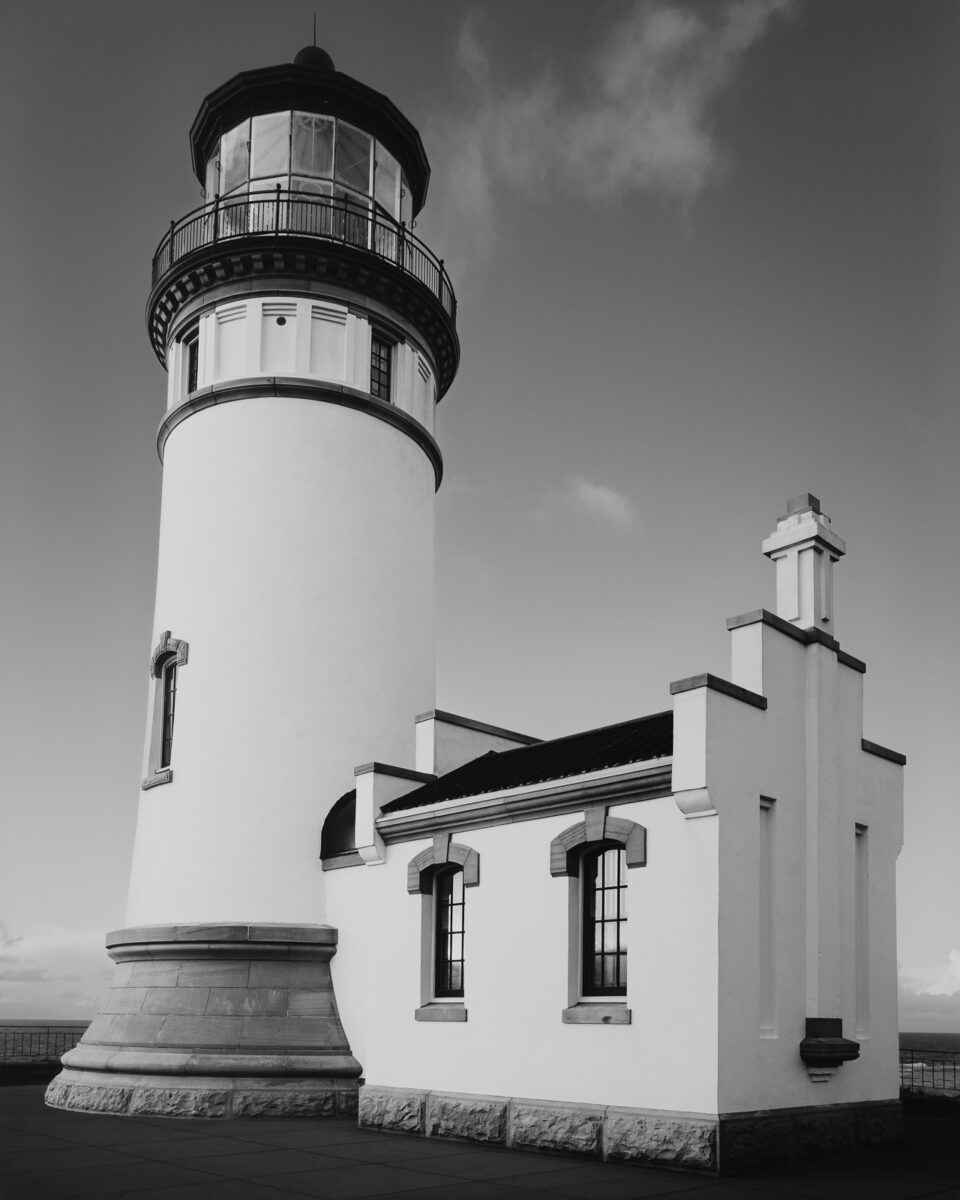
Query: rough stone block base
{"x": 210, "y": 1097}
{"x": 684, "y": 1141}
{"x": 215, "y": 1021}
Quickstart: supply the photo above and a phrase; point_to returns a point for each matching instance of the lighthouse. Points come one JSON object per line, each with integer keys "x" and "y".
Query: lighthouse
{"x": 307, "y": 335}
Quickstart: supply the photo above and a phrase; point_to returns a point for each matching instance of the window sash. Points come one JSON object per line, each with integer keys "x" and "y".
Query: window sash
{"x": 449, "y": 940}
{"x": 168, "y": 688}
{"x": 603, "y": 878}
{"x": 381, "y": 353}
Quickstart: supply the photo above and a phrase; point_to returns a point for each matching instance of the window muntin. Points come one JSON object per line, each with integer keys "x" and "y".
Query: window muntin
{"x": 381, "y": 355}
{"x": 603, "y": 882}
{"x": 448, "y": 948}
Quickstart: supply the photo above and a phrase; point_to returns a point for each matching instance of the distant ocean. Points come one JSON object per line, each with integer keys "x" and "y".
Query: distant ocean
{"x": 931, "y": 1043}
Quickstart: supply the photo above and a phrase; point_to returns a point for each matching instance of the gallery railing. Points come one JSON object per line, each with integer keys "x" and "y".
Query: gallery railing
{"x": 926, "y": 1071}
{"x": 303, "y": 214}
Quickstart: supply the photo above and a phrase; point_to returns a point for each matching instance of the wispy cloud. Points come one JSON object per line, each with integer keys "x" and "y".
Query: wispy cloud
{"x": 580, "y": 495}
{"x": 638, "y": 119}
{"x": 940, "y": 980}
{"x": 36, "y": 968}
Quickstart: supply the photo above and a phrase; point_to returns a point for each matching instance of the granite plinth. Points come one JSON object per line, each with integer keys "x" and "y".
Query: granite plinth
{"x": 214, "y": 1021}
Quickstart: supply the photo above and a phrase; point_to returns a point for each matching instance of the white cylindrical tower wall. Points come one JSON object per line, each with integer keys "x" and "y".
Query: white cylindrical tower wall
{"x": 296, "y": 560}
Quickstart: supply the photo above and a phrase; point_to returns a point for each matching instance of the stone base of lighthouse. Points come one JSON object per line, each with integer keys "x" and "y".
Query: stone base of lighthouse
{"x": 215, "y": 1021}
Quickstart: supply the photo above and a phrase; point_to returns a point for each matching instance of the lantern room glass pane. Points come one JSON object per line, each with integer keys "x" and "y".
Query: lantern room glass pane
{"x": 211, "y": 183}
{"x": 270, "y": 145}
{"x": 406, "y": 203}
{"x": 234, "y": 157}
{"x": 312, "y": 145}
{"x": 386, "y": 175}
{"x": 353, "y": 157}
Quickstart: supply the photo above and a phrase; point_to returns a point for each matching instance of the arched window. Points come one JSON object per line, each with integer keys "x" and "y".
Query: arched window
{"x": 448, "y": 958}
{"x": 596, "y": 855}
{"x": 168, "y": 657}
{"x": 603, "y": 921}
{"x": 440, "y": 875}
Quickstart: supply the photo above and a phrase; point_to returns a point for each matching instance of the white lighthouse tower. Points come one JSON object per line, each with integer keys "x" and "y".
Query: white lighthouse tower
{"x": 307, "y": 336}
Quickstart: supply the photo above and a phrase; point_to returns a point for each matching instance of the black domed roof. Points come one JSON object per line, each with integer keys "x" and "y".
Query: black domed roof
{"x": 316, "y": 58}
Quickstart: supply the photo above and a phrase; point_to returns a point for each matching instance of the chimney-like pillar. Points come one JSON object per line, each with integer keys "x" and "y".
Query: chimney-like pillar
{"x": 804, "y": 549}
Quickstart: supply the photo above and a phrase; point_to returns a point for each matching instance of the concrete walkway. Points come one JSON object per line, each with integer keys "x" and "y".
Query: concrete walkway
{"x": 51, "y": 1155}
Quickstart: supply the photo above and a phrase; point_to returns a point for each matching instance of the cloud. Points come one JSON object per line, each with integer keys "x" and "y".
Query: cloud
{"x": 56, "y": 973}
{"x": 6, "y": 937}
{"x": 22, "y": 974}
{"x": 930, "y": 996}
{"x": 940, "y": 980}
{"x": 639, "y": 118}
{"x": 580, "y": 495}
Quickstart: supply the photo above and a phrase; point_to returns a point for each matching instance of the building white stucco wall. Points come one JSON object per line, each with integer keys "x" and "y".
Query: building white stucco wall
{"x": 514, "y": 1041}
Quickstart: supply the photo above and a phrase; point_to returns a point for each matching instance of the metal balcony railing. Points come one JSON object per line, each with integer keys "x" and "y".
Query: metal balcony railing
{"x": 926, "y": 1071}
{"x": 304, "y": 215}
{"x": 35, "y": 1043}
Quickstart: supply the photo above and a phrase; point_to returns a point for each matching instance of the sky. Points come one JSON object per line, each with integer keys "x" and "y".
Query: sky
{"x": 707, "y": 258}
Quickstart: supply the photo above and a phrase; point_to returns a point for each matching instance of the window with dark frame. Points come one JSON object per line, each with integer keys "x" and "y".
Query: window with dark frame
{"x": 167, "y": 673}
{"x": 193, "y": 361}
{"x": 603, "y": 876}
{"x": 381, "y": 353}
{"x": 448, "y": 951}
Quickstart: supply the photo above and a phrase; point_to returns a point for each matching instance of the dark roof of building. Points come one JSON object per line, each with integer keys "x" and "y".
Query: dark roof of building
{"x": 594, "y": 750}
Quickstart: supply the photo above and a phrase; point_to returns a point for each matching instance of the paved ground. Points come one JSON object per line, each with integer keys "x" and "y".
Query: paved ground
{"x": 50, "y": 1155}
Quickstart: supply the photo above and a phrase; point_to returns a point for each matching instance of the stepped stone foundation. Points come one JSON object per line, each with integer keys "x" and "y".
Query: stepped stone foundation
{"x": 215, "y": 1021}
{"x": 686, "y": 1141}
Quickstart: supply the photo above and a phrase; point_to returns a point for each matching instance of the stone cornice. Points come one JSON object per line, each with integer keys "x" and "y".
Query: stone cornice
{"x": 524, "y": 804}
{"x": 303, "y": 389}
{"x": 806, "y": 636}
{"x": 448, "y": 718}
{"x": 380, "y": 768}
{"x": 271, "y": 260}
{"x": 716, "y": 684}
{"x": 882, "y": 752}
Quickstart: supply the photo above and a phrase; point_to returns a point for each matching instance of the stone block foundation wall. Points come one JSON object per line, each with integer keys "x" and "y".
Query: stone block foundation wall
{"x": 685, "y": 1141}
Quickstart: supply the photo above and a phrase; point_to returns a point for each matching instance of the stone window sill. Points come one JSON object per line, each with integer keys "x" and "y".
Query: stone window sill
{"x": 440, "y": 1012}
{"x": 158, "y": 777}
{"x": 597, "y": 1014}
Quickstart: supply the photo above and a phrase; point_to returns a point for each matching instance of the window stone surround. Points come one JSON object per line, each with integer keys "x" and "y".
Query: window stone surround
{"x": 156, "y": 774}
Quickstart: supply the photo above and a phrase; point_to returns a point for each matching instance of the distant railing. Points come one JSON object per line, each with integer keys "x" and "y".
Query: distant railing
{"x": 23, "y": 1045}
{"x": 303, "y": 214}
{"x": 926, "y": 1071}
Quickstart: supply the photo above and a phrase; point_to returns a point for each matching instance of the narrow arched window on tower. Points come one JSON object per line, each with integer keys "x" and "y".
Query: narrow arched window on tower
{"x": 168, "y": 691}
{"x": 167, "y": 659}
{"x": 448, "y": 952}
{"x": 381, "y": 355}
{"x": 603, "y": 881}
